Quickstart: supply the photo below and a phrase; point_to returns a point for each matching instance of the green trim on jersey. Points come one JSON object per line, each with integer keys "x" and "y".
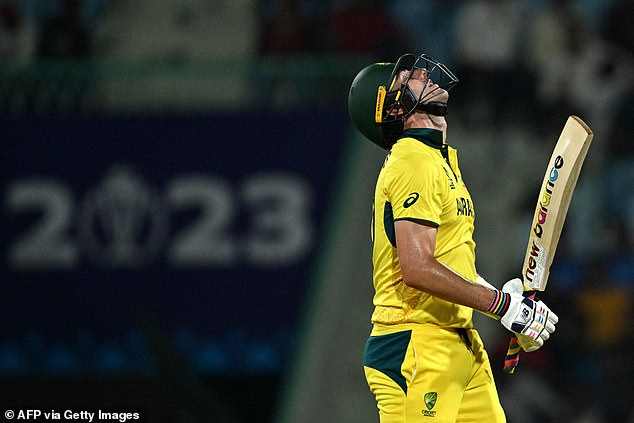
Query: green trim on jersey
{"x": 388, "y": 223}
{"x": 430, "y": 137}
{"x": 423, "y": 221}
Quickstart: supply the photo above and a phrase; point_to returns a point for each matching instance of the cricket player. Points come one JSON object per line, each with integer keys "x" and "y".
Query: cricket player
{"x": 423, "y": 361}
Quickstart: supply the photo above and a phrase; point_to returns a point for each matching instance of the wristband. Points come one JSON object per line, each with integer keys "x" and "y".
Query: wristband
{"x": 500, "y": 303}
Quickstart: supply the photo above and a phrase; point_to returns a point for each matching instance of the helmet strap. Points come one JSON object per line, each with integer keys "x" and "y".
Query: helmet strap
{"x": 434, "y": 108}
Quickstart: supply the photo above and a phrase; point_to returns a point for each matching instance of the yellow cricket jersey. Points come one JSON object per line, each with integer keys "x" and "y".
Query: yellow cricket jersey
{"x": 420, "y": 181}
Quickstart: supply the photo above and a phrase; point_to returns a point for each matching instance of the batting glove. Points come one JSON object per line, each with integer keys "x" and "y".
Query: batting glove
{"x": 529, "y": 318}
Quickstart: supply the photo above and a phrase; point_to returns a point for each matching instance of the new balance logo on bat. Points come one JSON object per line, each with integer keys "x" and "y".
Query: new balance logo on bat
{"x": 546, "y": 196}
{"x": 532, "y": 263}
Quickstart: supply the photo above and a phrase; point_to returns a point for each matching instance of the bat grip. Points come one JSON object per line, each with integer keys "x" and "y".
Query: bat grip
{"x": 512, "y": 358}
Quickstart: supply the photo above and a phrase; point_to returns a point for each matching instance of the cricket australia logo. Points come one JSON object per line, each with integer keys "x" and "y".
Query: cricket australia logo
{"x": 430, "y": 402}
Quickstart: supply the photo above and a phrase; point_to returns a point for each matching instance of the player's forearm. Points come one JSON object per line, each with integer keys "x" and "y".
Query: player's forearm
{"x": 436, "y": 279}
{"x": 416, "y": 244}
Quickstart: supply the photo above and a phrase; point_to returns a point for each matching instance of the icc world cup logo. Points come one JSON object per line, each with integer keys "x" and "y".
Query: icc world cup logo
{"x": 123, "y": 221}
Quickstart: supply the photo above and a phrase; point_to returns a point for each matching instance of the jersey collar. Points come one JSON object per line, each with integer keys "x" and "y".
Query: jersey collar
{"x": 428, "y": 136}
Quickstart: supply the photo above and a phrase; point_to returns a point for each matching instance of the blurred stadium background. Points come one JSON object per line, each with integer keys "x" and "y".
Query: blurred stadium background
{"x": 185, "y": 206}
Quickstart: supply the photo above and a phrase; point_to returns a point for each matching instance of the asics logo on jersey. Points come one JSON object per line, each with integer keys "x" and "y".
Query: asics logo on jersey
{"x": 413, "y": 197}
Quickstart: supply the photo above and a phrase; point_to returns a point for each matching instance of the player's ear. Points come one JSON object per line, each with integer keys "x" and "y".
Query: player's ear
{"x": 399, "y": 79}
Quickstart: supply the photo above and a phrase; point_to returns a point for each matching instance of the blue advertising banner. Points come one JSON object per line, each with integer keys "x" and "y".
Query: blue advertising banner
{"x": 203, "y": 227}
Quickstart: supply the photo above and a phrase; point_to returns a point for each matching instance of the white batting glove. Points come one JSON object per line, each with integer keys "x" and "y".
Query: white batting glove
{"x": 527, "y": 343}
{"x": 531, "y": 320}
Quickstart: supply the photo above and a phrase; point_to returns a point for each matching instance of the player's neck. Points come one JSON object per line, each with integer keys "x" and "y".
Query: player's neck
{"x": 425, "y": 120}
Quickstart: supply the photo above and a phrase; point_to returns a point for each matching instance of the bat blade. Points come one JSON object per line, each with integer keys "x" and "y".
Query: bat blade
{"x": 550, "y": 213}
{"x": 554, "y": 198}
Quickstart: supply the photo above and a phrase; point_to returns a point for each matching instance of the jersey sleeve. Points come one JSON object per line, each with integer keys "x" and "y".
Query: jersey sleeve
{"x": 413, "y": 190}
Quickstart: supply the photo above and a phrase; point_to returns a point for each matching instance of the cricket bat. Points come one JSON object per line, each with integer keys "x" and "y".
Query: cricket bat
{"x": 550, "y": 213}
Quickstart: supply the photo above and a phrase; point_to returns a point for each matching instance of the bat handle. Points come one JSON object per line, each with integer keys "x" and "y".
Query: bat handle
{"x": 512, "y": 358}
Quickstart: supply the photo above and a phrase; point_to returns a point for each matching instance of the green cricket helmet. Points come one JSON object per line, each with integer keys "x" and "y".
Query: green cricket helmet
{"x": 366, "y": 98}
{"x": 378, "y": 107}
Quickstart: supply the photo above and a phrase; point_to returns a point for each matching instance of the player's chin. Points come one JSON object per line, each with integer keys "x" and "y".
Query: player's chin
{"x": 443, "y": 97}
{"x": 439, "y": 96}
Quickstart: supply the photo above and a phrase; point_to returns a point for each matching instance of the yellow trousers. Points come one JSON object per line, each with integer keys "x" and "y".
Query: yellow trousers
{"x": 427, "y": 374}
